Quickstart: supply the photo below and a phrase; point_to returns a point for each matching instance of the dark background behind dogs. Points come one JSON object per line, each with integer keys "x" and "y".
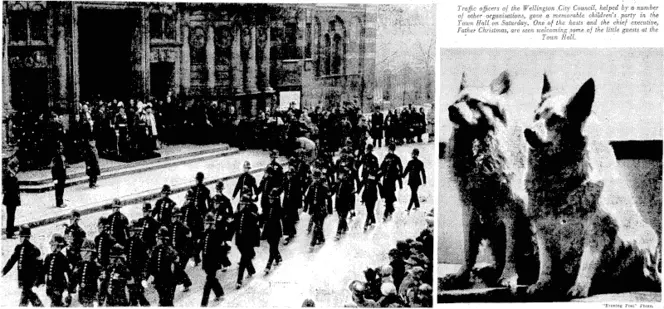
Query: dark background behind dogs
{"x": 628, "y": 107}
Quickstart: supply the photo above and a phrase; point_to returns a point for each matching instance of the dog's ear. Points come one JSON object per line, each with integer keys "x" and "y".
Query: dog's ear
{"x": 546, "y": 87}
{"x": 501, "y": 84}
{"x": 579, "y": 106}
{"x": 463, "y": 82}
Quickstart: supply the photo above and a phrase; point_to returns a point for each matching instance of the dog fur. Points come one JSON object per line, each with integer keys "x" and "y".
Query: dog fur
{"x": 488, "y": 161}
{"x": 591, "y": 237}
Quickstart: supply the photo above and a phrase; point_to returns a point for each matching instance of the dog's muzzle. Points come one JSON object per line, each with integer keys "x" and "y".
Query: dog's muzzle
{"x": 532, "y": 138}
{"x": 455, "y": 115}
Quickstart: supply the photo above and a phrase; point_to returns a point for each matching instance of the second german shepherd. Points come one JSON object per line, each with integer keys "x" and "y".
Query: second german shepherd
{"x": 591, "y": 237}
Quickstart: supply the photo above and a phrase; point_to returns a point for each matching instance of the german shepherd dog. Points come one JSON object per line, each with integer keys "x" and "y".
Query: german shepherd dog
{"x": 591, "y": 237}
{"x": 488, "y": 162}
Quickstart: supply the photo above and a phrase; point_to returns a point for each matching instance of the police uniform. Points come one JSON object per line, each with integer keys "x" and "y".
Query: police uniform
{"x": 201, "y": 195}
{"x": 211, "y": 251}
{"x": 149, "y": 227}
{"x": 391, "y": 170}
{"x": 223, "y": 211}
{"x": 86, "y": 274}
{"x": 77, "y": 232}
{"x": 272, "y": 179}
{"x": 247, "y": 236}
{"x": 180, "y": 237}
{"x": 245, "y": 181}
{"x": 414, "y": 168}
{"x": 56, "y": 272}
{"x": 59, "y": 174}
{"x": 319, "y": 203}
{"x": 103, "y": 242}
{"x": 344, "y": 191}
{"x": 26, "y": 257}
{"x": 137, "y": 258}
{"x": 293, "y": 192}
{"x": 193, "y": 219}
{"x": 118, "y": 277}
{"x": 163, "y": 208}
{"x": 272, "y": 230}
{"x": 370, "y": 196}
{"x": 119, "y": 225}
{"x": 162, "y": 268}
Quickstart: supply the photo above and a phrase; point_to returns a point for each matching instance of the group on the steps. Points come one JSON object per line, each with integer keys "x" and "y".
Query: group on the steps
{"x": 127, "y": 256}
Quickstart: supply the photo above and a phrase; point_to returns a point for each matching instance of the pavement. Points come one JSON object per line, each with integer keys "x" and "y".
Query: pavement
{"x": 322, "y": 275}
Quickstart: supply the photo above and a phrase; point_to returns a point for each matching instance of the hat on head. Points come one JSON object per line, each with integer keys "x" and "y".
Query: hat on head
{"x": 416, "y": 152}
{"x": 163, "y": 232}
{"x": 57, "y": 239}
{"x": 246, "y": 164}
{"x": 166, "y": 189}
{"x": 391, "y": 147}
{"x": 102, "y": 220}
{"x": 416, "y": 271}
{"x": 308, "y": 303}
{"x": 24, "y": 231}
{"x": 356, "y": 287}
{"x": 148, "y": 105}
{"x": 393, "y": 253}
{"x": 75, "y": 214}
{"x": 317, "y": 173}
{"x": 200, "y": 176}
{"x": 219, "y": 184}
{"x": 116, "y": 203}
{"x": 292, "y": 161}
{"x": 274, "y": 153}
{"x": 120, "y": 104}
{"x": 210, "y": 218}
{"x": 386, "y": 271}
{"x": 370, "y": 147}
{"x": 117, "y": 251}
{"x": 88, "y": 245}
{"x": 177, "y": 212}
{"x": 147, "y": 207}
{"x": 275, "y": 192}
{"x": 388, "y": 288}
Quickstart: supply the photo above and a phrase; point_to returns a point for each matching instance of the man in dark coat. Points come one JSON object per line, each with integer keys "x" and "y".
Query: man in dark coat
{"x": 104, "y": 241}
{"x": 201, "y": 195}
{"x": 148, "y": 227}
{"x": 11, "y": 195}
{"x": 369, "y": 162}
{"x": 119, "y": 223}
{"x": 193, "y": 219}
{"x": 211, "y": 249}
{"x": 344, "y": 191}
{"x": 247, "y": 235}
{"x": 92, "y": 163}
{"x": 414, "y": 168}
{"x": 59, "y": 173}
{"x": 245, "y": 181}
{"x": 181, "y": 242}
{"x": 319, "y": 203}
{"x": 86, "y": 273}
{"x": 377, "y": 127}
{"x": 293, "y": 193}
{"x": 222, "y": 210}
{"x": 136, "y": 252}
{"x": 76, "y": 232}
{"x": 162, "y": 265}
{"x": 272, "y": 230}
{"x": 163, "y": 209}
{"x": 272, "y": 178}
{"x": 119, "y": 276}
{"x": 27, "y": 257}
{"x": 369, "y": 197}
{"x": 390, "y": 170}
{"x": 56, "y": 272}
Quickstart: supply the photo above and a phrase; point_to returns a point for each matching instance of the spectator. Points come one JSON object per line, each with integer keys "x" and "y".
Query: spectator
{"x": 152, "y": 128}
{"x": 59, "y": 173}
{"x": 11, "y": 196}
{"x": 92, "y": 163}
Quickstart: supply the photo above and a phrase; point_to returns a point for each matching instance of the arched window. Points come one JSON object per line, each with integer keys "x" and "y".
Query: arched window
{"x": 337, "y": 51}
{"x": 326, "y": 58}
{"x": 28, "y": 25}
{"x": 162, "y": 23}
{"x": 317, "y": 46}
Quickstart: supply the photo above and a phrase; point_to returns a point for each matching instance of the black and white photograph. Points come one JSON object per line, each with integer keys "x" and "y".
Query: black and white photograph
{"x": 550, "y": 175}
{"x": 197, "y": 154}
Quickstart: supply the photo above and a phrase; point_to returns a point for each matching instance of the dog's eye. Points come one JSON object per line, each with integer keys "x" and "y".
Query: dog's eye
{"x": 553, "y": 120}
{"x": 473, "y": 103}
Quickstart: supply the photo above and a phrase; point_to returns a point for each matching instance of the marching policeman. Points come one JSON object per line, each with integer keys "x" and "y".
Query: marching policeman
{"x": 193, "y": 219}
{"x": 369, "y": 162}
{"x": 211, "y": 248}
{"x": 201, "y": 195}
{"x": 369, "y": 197}
{"x": 75, "y": 230}
{"x": 319, "y": 203}
{"x": 163, "y": 262}
{"x": 272, "y": 230}
{"x": 149, "y": 227}
{"x": 345, "y": 199}
{"x": 86, "y": 274}
{"x": 272, "y": 178}
{"x": 246, "y": 184}
{"x": 181, "y": 242}
{"x": 247, "y": 235}
{"x": 119, "y": 223}
{"x": 56, "y": 271}
{"x": 222, "y": 210}
{"x": 293, "y": 193}
{"x": 391, "y": 170}
{"x": 414, "y": 169}
{"x": 26, "y": 257}
{"x": 164, "y": 207}
{"x": 137, "y": 258}
{"x": 118, "y": 278}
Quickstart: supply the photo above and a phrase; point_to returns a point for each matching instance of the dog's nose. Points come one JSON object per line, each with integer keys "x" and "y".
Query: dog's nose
{"x": 531, "y": 137}
{"x": 454, "y": 114}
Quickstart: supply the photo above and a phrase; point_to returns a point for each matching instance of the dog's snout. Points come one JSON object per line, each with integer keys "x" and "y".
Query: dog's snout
{"x": 454, "y": 113}
{"x": 531, "y": 138}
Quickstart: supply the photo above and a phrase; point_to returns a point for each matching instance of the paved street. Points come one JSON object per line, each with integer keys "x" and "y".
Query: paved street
{"x": 322, "y": 275}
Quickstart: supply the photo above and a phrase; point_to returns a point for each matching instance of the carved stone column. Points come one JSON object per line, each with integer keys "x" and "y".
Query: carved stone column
{"x": 210, "y": 58}
{"x": 265, "y": 61}
{"x": 186, "y": 59}
{"x": 250, "y": 64}
{"x": 236, "y": 60}
{"x": 61, "y": 55}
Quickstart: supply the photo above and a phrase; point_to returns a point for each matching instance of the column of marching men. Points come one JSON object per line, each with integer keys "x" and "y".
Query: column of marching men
{"x": 116, "y": 266}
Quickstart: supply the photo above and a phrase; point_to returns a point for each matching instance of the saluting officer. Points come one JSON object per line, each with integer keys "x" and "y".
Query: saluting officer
{"x": 246, "y": 184}
{"x": 118, "y": 278}
{"x": 181, "y": 241}
{"x": 163, "y": 263}
{"x": 137, "y": 258}
{"x": 201, "y": 195}
{"x": 247, "y": 235}
{"x": 319, "y": 202}
{"x": 119, "y": 223}
{"x": 212, "y": 246}
{"x": 272, "y": 230}
{"x": 149, "y": 227}
{"x": 193, "y": 219}
{"x": 391, "y": 170}
{"x": 293, "y": 193}
{"x": 272, "y": 178}
{"x": 86, "y": 274}
{"x": 56, "y": 272}
{"x": 164, "y": 207}
{"x": 344, "y": 191}
{"x": 26, "y": 257}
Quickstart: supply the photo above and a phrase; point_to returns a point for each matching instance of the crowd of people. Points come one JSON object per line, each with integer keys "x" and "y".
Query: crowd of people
{"x": 406, "y": 281}
{"x": 114, "y": 269}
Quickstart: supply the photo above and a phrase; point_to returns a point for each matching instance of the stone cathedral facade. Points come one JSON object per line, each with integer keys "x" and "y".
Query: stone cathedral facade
{"x": 59, "y": 54}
